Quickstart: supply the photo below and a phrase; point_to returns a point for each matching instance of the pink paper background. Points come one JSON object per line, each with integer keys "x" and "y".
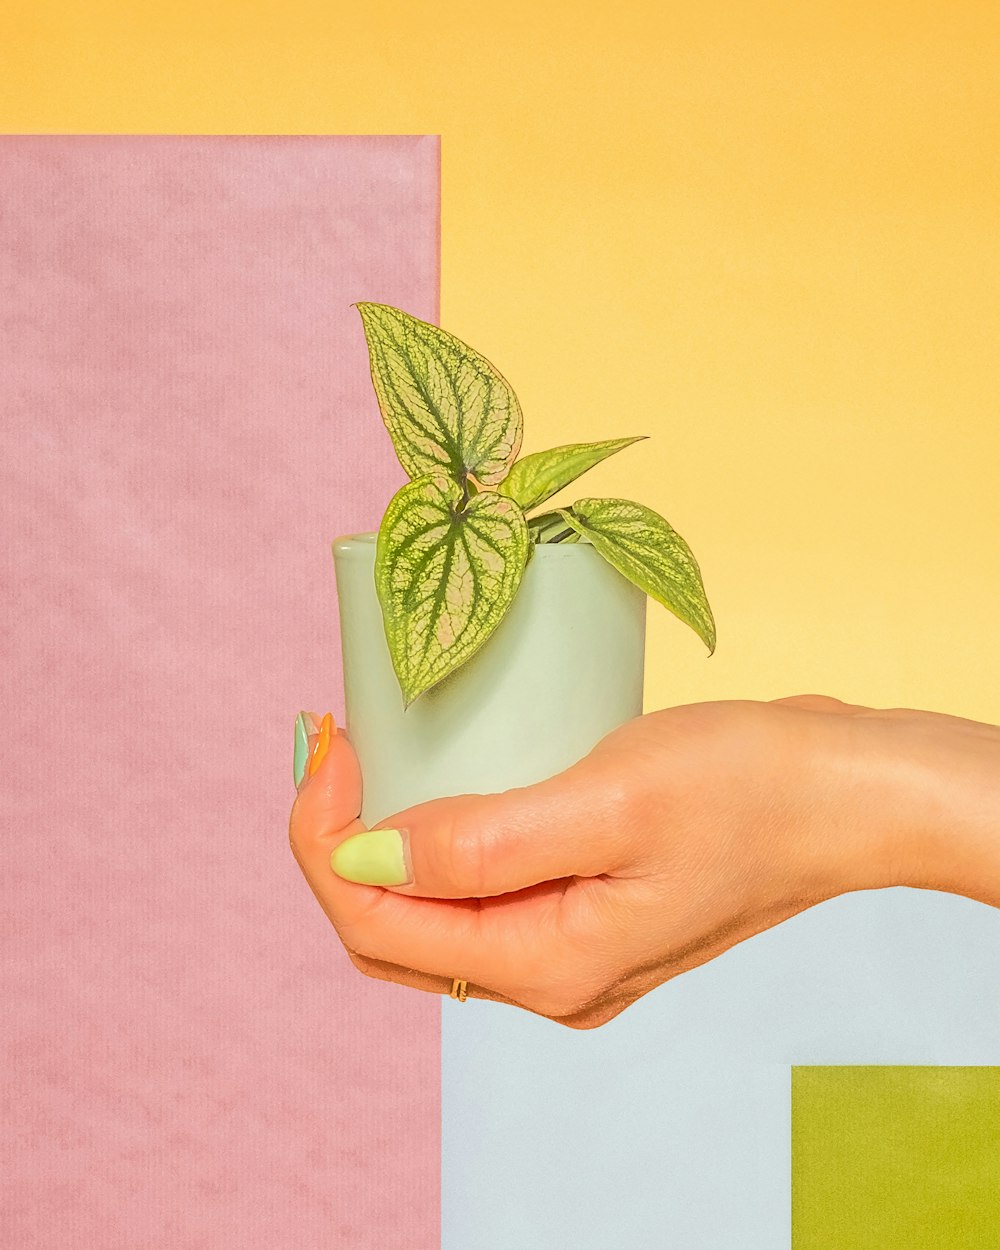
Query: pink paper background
{"x": 190, "y": 1059}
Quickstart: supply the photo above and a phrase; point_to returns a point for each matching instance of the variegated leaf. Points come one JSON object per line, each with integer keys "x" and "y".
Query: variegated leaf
{"x": 649, "y": 552}
{"x": 537, "y": 477}
{"x": 445, "y": 577}
{"x": 447, "y": 409}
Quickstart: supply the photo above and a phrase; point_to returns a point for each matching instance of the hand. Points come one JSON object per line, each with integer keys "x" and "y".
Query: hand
{"x": 681, "y": 833}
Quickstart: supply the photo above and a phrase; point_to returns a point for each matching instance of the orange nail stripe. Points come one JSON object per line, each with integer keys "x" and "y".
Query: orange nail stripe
{"x": 322, "y": 743}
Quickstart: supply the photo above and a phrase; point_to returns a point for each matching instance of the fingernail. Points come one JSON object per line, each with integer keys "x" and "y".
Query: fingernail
{"x": 306, "y": 726}
{"x": 326, "y": 729}
{"x": 375, "y": 857}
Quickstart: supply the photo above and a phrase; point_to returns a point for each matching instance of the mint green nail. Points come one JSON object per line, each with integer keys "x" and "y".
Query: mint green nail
{"x": 372, "y": 858}
{"x": 301, "y": 748}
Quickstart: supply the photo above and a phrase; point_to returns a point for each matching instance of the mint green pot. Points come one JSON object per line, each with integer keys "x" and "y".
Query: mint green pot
{"x": 562, "y": 669}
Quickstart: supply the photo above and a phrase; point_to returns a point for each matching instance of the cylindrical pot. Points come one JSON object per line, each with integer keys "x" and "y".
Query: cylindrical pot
{"x": 562, "y": 669}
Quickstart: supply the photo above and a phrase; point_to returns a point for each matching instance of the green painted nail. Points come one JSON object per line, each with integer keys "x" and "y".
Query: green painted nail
{"x": 305, "y": 724}
{"x": 302, "y": 731}
{"x": 372, "y": 858}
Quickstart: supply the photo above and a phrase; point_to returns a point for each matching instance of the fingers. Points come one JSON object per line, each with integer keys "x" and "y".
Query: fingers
{"x": 413, "y": 979}
{"x": 435, "y": 937}
{"x": 483, "y": 845}
{"x": 588, "y": 1017}
{"x": 512, "y": 947}
{"x": 491, "y": 875}
{"x": 326, "y": 810}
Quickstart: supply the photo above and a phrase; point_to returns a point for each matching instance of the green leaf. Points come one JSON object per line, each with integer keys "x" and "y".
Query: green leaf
{"x": 445, "y": 577}
{"x": 535, "y": 478}
{"x": 643, "y": 546}
{"x": 447, "y": 409}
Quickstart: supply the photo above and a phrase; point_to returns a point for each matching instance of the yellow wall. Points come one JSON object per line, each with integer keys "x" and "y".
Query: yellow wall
{"x": 768, "y": 236}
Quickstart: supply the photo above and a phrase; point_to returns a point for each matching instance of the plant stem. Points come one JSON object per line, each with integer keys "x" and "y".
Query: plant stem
{"x": 545, "y": 521}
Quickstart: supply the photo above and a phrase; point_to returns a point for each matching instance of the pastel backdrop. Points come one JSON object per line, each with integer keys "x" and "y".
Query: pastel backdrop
{"x": 189, "y": 1056}
{"x": 766, "y": 237}
{"x": 762, "y": 233}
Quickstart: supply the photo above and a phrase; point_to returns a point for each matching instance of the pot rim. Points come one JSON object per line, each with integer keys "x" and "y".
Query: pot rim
{"x": 359, "y": 544}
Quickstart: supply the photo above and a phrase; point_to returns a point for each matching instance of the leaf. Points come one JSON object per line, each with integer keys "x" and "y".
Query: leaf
{"x": 535, "y": 478}
{"x": 444, "y": 578}
{"x": 643, "y": 546}
{"x": 447, "y": 409}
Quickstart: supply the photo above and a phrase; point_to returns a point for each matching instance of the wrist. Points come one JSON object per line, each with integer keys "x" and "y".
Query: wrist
{"x": 920, "y": 792}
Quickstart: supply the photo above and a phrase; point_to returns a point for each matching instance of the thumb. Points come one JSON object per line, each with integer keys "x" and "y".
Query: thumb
{"x": 481, "y": 845}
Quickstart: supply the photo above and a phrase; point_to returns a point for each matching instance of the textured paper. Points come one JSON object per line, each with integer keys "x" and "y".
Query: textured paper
{"x": 189, "y": 1057}
{"x": 895, "y": 1156}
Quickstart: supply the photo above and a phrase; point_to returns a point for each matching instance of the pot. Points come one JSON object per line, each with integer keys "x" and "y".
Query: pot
{"x": 562, "y": 669}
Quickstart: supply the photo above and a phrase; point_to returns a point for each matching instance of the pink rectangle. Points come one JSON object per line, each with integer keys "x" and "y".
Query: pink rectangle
{"x": 190, "y": 1058}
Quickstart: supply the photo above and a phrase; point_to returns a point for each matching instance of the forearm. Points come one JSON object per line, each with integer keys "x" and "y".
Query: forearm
{"x": 930, "y": 810}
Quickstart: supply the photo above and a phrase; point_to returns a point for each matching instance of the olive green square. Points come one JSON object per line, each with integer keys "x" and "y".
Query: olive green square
{"x": 895, "y": 1158}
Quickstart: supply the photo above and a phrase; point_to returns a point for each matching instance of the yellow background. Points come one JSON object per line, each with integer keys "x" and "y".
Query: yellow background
{"x": 765, "y": 235}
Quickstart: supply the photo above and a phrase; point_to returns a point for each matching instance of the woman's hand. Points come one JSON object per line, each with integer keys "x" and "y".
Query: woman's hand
{"x": 681, "y": 833}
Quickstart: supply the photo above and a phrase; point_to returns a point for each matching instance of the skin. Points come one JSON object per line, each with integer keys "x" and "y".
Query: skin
{"x": 683, "y": 832}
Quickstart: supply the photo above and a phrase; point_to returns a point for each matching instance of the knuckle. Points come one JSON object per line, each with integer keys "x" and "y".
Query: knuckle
{"x": 594, "y": 1012}
{"x": 592, "y": 1019}
{"x": 553, "y": 1008}
{"x": 622, "y": 806}
{"x": 559, "y": 1003}
{"x": 581, "y": 1025}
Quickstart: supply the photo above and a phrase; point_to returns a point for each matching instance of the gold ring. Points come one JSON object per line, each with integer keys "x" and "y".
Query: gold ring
{"x": 459, "y": 990}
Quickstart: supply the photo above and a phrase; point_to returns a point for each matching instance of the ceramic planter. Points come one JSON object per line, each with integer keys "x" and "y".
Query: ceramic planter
{"x": 562, "y": 669}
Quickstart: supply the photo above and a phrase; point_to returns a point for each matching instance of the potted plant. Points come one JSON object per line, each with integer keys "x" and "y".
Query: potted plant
{"x": 490, "y": 640}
